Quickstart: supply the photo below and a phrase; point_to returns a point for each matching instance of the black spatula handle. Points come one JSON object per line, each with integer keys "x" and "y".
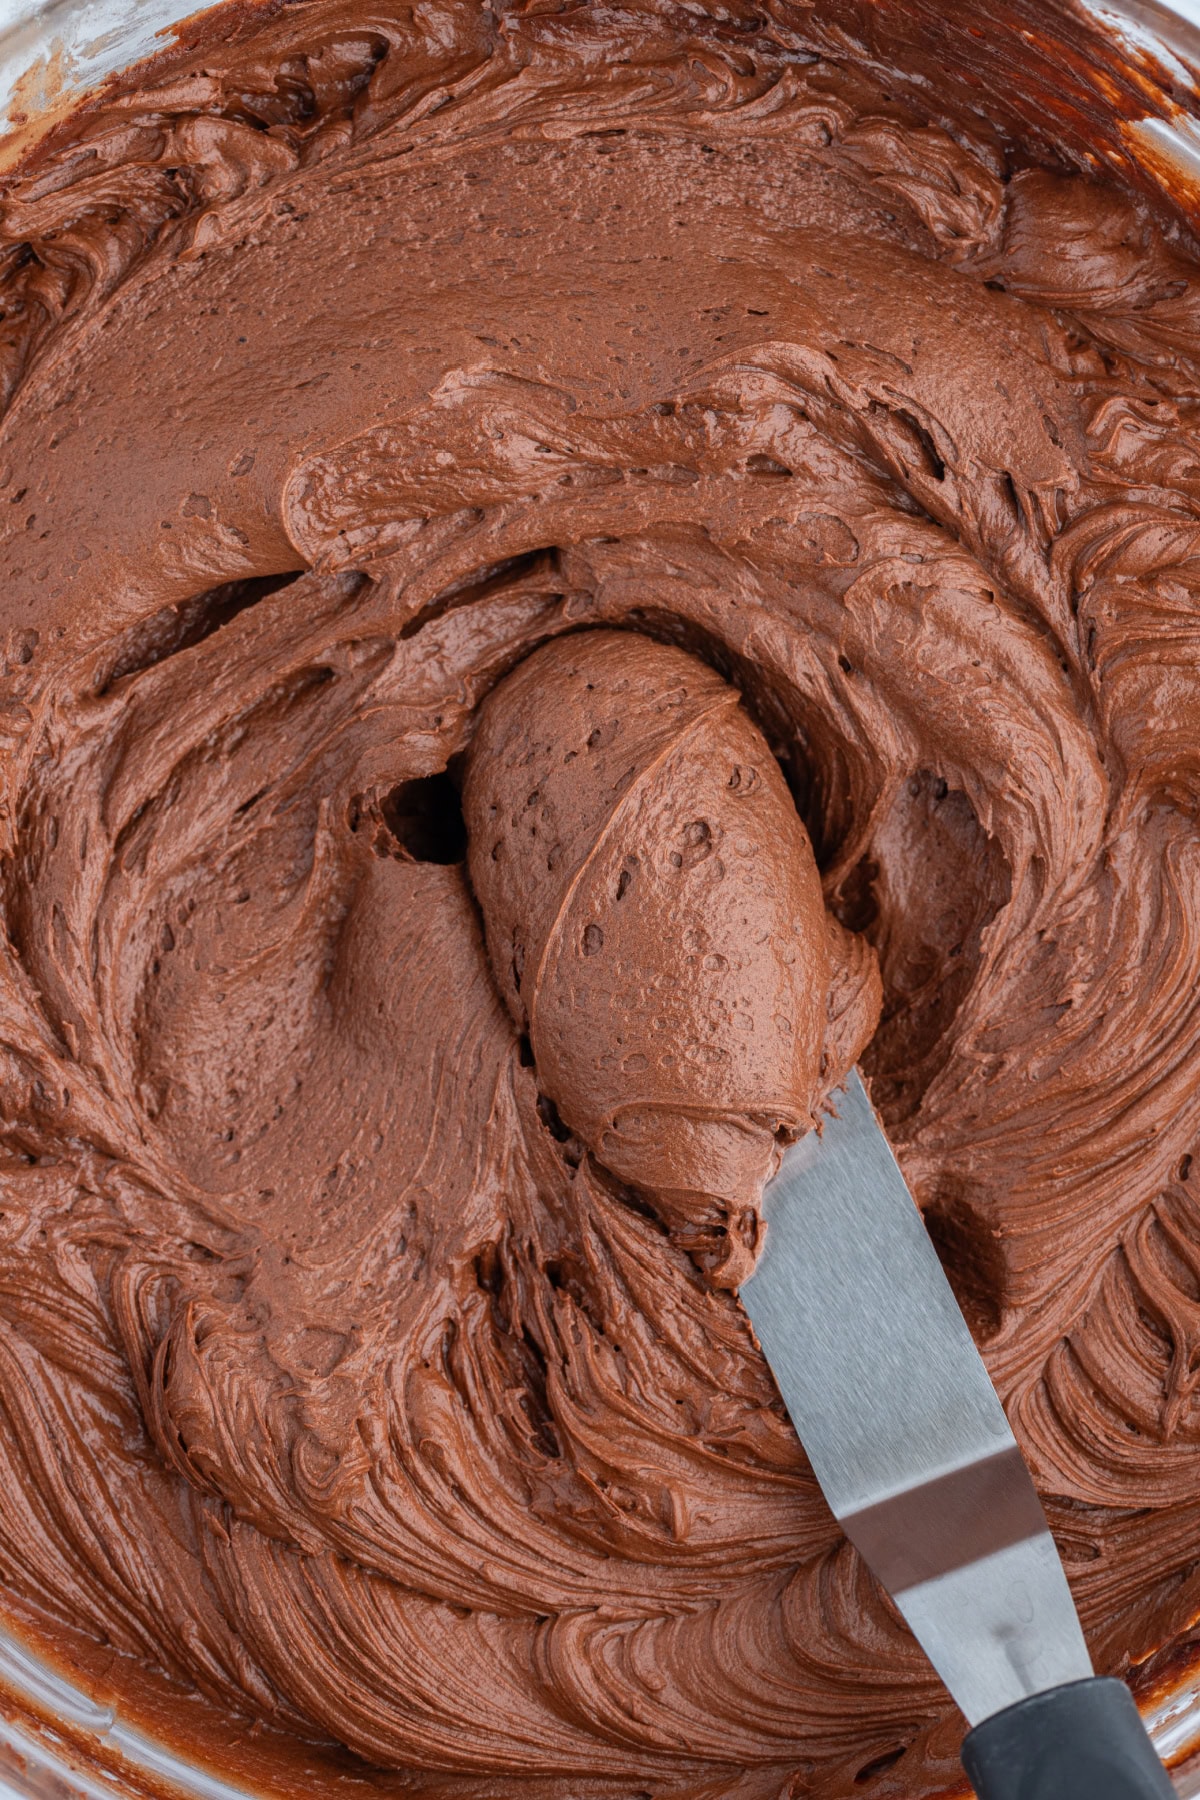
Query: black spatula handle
{"x": 1085, "y": 1741}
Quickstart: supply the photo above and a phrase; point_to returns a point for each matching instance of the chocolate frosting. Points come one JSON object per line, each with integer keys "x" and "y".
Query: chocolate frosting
{"x": 358, "y": 1370}
{"x": 655, "y": 923}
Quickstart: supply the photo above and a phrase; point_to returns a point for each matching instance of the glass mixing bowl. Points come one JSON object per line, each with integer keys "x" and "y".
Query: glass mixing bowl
{"x": 57, "y": 1742}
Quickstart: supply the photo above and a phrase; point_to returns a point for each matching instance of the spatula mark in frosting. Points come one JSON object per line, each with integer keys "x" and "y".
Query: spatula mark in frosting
{"x": 180, "y": 625}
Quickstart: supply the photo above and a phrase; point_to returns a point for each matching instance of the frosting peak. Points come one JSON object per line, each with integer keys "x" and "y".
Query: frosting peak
{"x": 656, "y": 924}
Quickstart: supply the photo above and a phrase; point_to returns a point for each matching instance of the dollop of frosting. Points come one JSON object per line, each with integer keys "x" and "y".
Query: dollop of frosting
{"x": 351, "y": 355}
{"x": 655, "y": 922}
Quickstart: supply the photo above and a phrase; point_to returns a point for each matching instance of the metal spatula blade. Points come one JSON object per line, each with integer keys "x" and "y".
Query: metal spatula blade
{"x": 913, "y": 1452}
{"x": 903, "y": 1428}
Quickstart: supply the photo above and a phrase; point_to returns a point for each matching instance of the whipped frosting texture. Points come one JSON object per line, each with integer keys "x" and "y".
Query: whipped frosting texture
{"x": 355, "y": 1374}
{"x": 655, "y": 923}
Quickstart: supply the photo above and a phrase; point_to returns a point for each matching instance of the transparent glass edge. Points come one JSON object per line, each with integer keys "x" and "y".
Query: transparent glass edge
{"x": 49, "y": 1695}
{"x": 1173, "y": 1720}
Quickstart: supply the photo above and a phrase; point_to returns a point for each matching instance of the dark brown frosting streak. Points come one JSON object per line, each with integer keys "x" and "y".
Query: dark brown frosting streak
{"x": 345, "y": 368}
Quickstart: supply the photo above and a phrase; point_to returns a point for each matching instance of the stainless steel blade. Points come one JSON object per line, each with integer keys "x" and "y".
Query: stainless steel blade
{"x": 900, "y": 1420}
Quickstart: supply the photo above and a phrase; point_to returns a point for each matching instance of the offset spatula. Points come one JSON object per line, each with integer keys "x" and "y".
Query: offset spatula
{"x": 913, "y": 1452}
